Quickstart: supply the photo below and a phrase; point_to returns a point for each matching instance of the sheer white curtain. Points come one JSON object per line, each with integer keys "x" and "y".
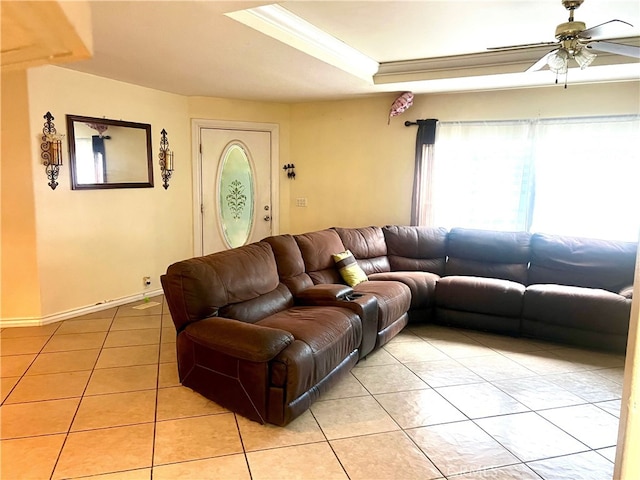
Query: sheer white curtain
{"x": 571, "y": 176}
{"x": 422, "y": 212}
{"x": 483, "y": 175}
{"x": 587, "y": 173}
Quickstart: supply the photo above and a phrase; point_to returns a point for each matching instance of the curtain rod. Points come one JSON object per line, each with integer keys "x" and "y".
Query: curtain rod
{"x": 417, "y": 122}
{"x": 543, "y": 120}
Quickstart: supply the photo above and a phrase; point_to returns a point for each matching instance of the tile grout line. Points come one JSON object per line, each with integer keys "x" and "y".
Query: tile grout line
{"x": 326, "y": 439}
{"x": 4, "y": 401}
{"x": 536, "y": 411}
{"x": 155, "y": 413}
{"x": 446, "y": 400}
{"x": 66, "y": 436}
{"x": 490, "y": 382}
{"x": 403, "y": 430}
{"x": 590, "y": 368}
{"x": 244, "y": 450}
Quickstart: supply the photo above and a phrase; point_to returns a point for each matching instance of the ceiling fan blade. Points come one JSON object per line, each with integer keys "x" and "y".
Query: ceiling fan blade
{"x": 524, "y": 45}
{"x": 617, "y": 48}
{"x": 540, "y": 63}
{"x": 606, "y": 29}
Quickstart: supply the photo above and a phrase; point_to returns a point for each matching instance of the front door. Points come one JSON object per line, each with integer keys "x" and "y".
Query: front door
{"x": 236, "y": 187}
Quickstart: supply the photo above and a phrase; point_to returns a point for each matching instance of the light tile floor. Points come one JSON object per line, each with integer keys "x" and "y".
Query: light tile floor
{"x": 98, "y": 396}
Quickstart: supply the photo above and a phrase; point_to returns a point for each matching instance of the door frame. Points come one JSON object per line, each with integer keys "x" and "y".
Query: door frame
{"x": 197, "y": 124}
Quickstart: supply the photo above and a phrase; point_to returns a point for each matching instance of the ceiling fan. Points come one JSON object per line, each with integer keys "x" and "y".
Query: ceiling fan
{"x": 574, "y": 40}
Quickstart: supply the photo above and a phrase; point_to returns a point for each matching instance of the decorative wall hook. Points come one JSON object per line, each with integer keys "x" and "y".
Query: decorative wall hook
{"x": 166, "y": 159}
{"x": 291, "y": 173}
{"x": 51, "y": 147}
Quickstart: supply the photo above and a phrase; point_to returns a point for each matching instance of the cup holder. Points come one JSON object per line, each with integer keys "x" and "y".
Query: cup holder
{"x": 353, "y": 296}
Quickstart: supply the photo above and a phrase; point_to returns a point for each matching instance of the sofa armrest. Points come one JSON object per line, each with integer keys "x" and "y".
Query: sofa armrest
{"x": 318, "y": 294}
{"x": 627, "y": 292}
{"x": 365, "y": 305}
{"x": 241, "y": 340}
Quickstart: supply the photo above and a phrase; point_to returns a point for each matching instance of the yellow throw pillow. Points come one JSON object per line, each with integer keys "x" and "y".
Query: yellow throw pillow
{"x": 349, "y": 268}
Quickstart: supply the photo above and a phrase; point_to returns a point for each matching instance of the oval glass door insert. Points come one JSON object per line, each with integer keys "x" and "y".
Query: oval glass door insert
{"x": 236, "y": 187}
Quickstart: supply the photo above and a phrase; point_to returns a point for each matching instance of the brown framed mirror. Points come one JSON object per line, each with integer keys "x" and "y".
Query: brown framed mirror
{"x": 107, "y": 153}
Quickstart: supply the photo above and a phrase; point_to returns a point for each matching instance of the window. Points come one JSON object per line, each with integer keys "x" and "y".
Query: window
{"x": 482, "y": 175}
{"x": 566, "y": 176}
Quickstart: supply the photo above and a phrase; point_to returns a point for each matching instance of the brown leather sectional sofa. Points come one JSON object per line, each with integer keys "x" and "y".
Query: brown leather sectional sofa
{"x": 264, "y": 329}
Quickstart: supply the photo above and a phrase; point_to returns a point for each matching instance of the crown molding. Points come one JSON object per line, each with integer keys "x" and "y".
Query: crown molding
{"x": 493, "y": 62}
{"x": 283, "y": 25}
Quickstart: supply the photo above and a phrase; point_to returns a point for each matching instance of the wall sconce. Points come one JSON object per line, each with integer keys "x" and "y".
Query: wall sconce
{"x": 166, "y": 159}
{"x": 291, "y": 173}
{"x": 51, "y": 147}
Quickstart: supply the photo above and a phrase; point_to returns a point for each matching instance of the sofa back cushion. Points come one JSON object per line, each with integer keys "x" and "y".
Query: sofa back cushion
{"x": 260, "y": 307}
{"x": 317, "y": 249}
{"x": 488, "y": 253}
{"x": 206, "y": 286}
{"x": 416, "y": 248}
{"x": 290, "y": 262}
{"x": 582, "y": 262}
{"x": 368, "y": 247}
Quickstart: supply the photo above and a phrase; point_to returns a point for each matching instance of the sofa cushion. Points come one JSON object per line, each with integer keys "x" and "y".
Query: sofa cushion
{"x": 290, "y": 263}
{"x": 368, "y": 247}
{"x": 317, "y": 249}
{"x": 421, "y": 284}
{"x": 197, "y": 288}
{"x": 259, "y": 307}
{"x": 491, "y": 296}
{"x": 479, "y": 321}
{"x": 394, "y": 300}
{"x": 349, "y": 269}
{"x": 582, "y": 262}
{"x": 416, "y": 248}
{"x": 330, "y": 335}
{"x": 576, "y": 307}
{"x": 487, "y": 253}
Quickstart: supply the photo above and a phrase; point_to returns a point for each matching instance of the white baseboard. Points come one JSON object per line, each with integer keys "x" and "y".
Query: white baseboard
{"x": 77, "y": 312}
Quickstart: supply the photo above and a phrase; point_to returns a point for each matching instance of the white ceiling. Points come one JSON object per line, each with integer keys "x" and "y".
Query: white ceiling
{"x": 193, "y": 48}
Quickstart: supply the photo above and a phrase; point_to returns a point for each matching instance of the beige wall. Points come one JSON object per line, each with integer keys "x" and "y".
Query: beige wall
{"x": 20, "y": 284}
{"x": 356, "y": 170}
{"x": 66, "y": 250}
{"x": 547, "y": 102}
{"x": 95, "y": 246}
{"x": 352, "y": 167}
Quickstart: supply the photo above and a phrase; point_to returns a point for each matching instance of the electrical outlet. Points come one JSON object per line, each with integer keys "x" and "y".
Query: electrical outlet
{"x": 301, "y": 202}
{"x": 146, "y": 281}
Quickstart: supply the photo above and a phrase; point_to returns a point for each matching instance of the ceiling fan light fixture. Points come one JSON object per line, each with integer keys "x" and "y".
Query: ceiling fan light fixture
{"x": 584, "y": 58}
{"x": 558, "y": 61}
